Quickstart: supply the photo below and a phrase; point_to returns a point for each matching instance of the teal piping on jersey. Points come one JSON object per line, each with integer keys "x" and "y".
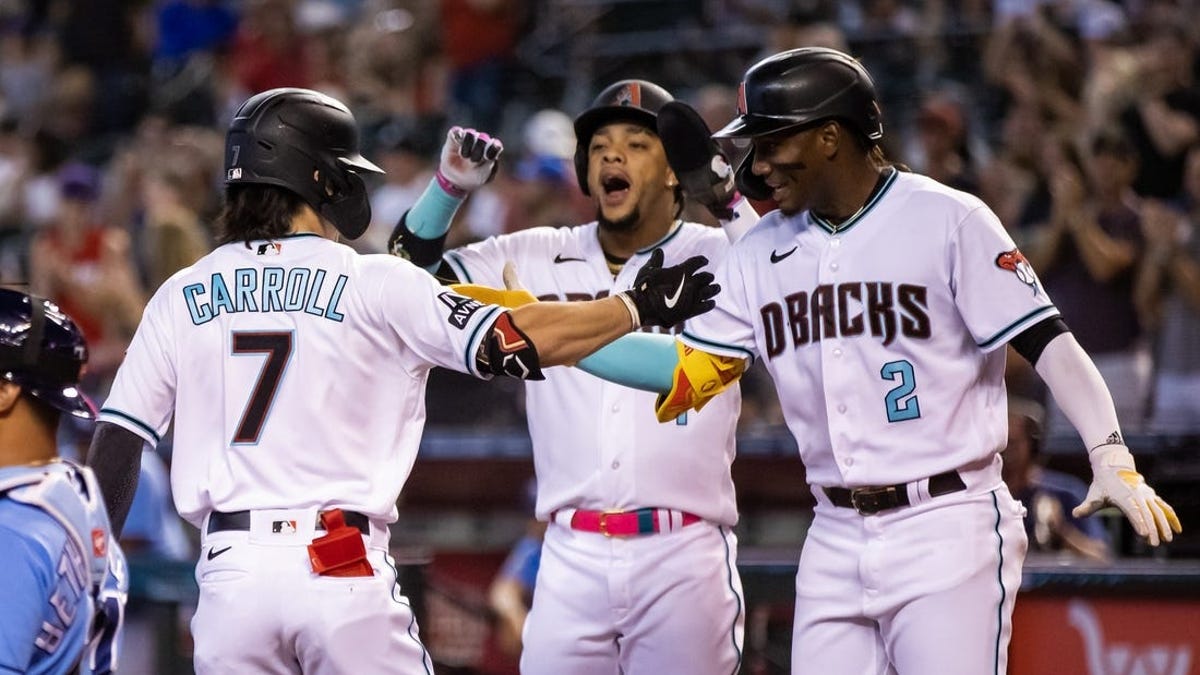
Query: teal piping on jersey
{"x": 1000, "y": 579}
{"x": 675, "y": 229}
{"x": 430, "y": 216}
{"x": 722, "y": 349}
{"x": 146, "y": 429}
{"x": 412, "y": 622}
{"x": 736, "y": 596}
{"x": 862, "y": 213}
{"x": 643, "y": 361}
{"x": 1015, "y": 327}
{"x": 460, "y": 270}
{"x": 473, "y": 343}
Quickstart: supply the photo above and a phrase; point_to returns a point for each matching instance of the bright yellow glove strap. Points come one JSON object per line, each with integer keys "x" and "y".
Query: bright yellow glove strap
{"x": 699, "y": 376}
{"x": 495, "y": 296}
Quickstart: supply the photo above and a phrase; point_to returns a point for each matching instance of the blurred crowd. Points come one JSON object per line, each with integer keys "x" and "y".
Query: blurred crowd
{"x": 1077, "y": 121}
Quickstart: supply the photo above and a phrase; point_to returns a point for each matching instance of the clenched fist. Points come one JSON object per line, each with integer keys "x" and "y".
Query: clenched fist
{"x": 468, "y": 160}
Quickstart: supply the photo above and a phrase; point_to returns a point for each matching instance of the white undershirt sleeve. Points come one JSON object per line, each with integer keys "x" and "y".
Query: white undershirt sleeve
{"x": 1079, "y": 391}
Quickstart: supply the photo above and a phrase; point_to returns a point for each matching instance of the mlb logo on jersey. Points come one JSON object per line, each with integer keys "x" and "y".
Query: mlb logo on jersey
{"x": 270, "y": 248}
{"x": 283, "y": 527}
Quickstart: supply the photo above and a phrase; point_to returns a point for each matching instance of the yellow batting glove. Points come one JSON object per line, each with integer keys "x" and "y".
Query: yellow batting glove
{"x": 1116, "y": 481}
{"x": 495, "y": 296}
{"x": 512, "y": 296}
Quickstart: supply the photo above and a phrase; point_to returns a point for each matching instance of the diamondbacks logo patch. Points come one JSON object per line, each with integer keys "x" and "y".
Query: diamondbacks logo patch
{"x": 461, "y": 308}
{"x": 1014, "y": 261}
{"x": 630, "y": 95}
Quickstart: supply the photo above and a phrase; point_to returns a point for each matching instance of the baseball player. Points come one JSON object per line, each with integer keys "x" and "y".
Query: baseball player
{"x": 638, "y": 571}
{"x": 880, "y": 302}
{"x": 64, "y": 583}
{"x": 294, "y": 370}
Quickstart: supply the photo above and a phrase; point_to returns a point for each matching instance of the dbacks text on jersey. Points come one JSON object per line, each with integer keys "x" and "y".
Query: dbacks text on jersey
{"x": 847, "y": 309}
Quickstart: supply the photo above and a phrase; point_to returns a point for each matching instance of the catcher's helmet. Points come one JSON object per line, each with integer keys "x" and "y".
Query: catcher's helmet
{"x": 306, "y": 142}
{"x": 803, "y": 86}
{"x": 43, "y": 350}
{"x": 636, "y": 101}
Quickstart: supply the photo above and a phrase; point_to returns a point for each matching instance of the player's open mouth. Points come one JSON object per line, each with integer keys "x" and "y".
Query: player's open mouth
{"x": 615, "y": 187}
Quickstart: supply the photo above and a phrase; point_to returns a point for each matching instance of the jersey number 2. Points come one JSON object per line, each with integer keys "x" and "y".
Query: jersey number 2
{"x": 278, "y": 348}
{"x": 901, "y": 402}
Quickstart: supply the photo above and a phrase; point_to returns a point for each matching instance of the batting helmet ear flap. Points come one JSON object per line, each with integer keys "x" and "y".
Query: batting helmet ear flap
{"x": 581, "y": 166}
{"x": 750, "y": 184}
{"x": 350, "y": 208}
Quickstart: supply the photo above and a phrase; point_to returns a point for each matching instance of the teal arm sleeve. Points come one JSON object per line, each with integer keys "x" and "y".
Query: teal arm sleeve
{"x": 430, "y": 216}
{"x": 640, "y": 360}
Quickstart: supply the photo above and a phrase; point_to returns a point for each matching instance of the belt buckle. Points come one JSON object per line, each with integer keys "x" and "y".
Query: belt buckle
{"x": 868, "y": 501}
{"x": 603, "y": 524}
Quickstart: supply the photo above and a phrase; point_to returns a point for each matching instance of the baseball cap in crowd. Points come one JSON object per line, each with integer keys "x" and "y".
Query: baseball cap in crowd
{"x": 550, "y": 132}
{"x": 543, "y": 168}
{"x": 77, "y": 180}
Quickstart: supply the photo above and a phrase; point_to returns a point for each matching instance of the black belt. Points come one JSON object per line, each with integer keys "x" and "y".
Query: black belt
{"x": 219, "y": 521}
{"x": 871, "y": 500}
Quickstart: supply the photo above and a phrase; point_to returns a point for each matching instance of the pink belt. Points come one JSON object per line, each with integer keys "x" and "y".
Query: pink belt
{"x": 625, "y": 523}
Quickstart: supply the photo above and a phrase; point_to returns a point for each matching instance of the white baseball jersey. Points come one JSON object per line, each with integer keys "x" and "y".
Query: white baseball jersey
{"x": 883, "y": 333}
{"x": 597, "y": 445}
{"x": 296, "y": 370}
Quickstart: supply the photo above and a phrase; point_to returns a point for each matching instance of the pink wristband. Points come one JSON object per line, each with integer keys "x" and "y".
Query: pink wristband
{"x": 448, "y": 187}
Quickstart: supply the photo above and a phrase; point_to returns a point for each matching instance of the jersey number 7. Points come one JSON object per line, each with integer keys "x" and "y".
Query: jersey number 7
{"x": 278, "y": 348}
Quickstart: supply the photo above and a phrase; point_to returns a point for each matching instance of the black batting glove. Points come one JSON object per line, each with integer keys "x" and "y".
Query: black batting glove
{"x": 697, "y": 160}
{"x": 666, "y": 296}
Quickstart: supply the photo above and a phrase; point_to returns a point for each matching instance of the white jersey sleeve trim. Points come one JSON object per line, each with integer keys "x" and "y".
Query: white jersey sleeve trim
{"x": 717, "y": 348}
{"x": 130, "y": 423}
{"x": 478, "y": 335}
{"x": 1011, "y": 330}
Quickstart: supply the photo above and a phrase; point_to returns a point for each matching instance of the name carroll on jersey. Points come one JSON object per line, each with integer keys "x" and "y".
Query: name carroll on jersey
{"x": 849, "y": 309}
{"x": 267, "y": 289}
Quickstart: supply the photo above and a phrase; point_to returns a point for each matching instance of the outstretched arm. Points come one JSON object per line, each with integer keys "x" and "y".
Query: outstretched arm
{"x": 565, "y": 332}
{"x": 1084, "y": 398}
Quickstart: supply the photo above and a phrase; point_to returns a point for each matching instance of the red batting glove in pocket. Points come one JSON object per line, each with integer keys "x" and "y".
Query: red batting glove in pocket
{"x": 341, "y": 552}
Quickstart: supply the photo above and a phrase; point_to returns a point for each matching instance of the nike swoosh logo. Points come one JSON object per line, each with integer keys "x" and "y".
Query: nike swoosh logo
{"x": 562, "y": 259}
{"x": 670, "y": 300}
{"x": 776, "y": 257}
{"x": 212, "y": 552}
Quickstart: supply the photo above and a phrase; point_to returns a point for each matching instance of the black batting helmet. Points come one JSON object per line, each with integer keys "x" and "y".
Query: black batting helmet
{"x": 306, "y": 142}
{"x": 43, "y": 350}
{"x": 802, "y": 86}
{"x": 798, "y": 88}
{"x": 636, "y": 101}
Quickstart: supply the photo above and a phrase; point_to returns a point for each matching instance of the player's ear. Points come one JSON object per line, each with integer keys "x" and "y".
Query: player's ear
{"x": 9, "y": 393}
{"x": 829, "y": 136}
